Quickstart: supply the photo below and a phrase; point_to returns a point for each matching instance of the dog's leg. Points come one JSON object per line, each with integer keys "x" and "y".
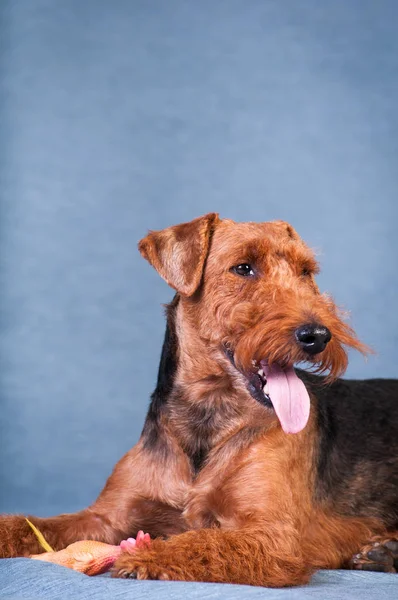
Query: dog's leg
{"x": 145, "y": 491}
{"x": 269, "y": 557}
{"x": 281, "y": 548}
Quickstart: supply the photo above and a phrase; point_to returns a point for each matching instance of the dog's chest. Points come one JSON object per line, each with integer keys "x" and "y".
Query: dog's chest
{"x": 204, "y": 426}
{"x": 201, "y": 426}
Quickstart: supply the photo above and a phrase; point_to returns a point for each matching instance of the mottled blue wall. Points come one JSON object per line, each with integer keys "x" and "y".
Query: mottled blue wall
{"x": 120, "y": 116}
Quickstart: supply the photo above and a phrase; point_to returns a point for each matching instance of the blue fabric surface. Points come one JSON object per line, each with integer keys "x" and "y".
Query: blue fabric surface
{"x": 28, "y": 579}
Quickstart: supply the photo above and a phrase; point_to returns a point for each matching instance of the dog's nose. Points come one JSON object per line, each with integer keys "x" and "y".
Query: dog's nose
{"x": 313, "y": 338}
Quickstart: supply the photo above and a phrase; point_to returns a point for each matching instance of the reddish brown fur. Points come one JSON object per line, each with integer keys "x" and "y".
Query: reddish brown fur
{"x": 249, "y": 515}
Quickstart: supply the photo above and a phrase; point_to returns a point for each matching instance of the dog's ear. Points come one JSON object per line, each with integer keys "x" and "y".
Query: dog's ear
{"x": 178, "y": 253}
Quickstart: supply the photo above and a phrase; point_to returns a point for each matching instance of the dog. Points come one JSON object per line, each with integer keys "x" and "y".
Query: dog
{"x": 248, "y": 470}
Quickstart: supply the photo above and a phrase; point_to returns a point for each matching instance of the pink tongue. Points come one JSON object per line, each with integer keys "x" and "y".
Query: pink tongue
{"x": 289, "y": 397}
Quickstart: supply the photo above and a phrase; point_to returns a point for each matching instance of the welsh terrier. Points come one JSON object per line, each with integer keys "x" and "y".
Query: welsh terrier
{"x": 248, "y": 470}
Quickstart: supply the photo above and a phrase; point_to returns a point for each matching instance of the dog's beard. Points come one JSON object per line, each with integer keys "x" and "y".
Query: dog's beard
{"x": 279, "y": 347}
{"x": 269, "y": 335}
{"x": 265, "y": 353}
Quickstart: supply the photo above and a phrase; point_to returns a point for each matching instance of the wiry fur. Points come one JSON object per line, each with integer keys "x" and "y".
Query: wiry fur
{"x": 237, "y": 499}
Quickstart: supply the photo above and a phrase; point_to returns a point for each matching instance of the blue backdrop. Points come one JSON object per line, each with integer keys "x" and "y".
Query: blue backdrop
{"x": 121, "y": 116}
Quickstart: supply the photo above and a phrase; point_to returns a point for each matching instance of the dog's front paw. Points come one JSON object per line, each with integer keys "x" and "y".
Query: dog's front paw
{"x": 136, "y": 566}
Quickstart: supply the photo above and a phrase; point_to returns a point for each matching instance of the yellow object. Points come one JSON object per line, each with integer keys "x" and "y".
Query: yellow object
{"x": 40, "y": 537}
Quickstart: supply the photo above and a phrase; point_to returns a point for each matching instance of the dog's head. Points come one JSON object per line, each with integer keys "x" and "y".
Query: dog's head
{"x": 250, "y": 289}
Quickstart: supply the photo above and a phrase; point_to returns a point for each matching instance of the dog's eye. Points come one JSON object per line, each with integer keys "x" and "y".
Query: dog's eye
{"x": 244, "y": 270}
{"x": 306, "y": 272}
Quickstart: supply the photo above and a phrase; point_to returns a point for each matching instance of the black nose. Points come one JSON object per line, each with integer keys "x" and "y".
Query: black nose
{"x": 313, "y": 338}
